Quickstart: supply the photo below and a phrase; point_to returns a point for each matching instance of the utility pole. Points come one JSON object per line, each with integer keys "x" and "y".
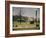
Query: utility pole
{"x": 36, "y": 17}
{"x": 20, "y": 15}
{"x": 36, "y": 14}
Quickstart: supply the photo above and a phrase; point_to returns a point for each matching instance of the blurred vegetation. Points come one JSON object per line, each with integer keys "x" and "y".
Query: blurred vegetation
{"x": 16, "y": 23}
{"x": 17, "y": 18}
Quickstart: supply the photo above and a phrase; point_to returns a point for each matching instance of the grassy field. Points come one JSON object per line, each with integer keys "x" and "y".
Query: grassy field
{"x": 23, "y": 26}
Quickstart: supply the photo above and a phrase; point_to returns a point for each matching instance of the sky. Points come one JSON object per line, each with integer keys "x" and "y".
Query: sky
{"x": 29, "y": 12}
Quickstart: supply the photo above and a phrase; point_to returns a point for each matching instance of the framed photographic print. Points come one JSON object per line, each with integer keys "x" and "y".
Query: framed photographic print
{"x": 24, "y": 19}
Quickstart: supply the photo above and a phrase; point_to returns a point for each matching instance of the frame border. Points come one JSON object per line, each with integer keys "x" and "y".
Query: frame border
{"x": 7, "y": 18}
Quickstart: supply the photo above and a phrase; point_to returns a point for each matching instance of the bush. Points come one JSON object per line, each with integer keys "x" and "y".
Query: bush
{"x": 16, "y": 25}
{"x": 31, "y": 22}
{"x": 38, "y": 26}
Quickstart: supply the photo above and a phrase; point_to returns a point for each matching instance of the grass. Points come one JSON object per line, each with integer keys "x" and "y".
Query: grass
{"x": 23, "y": 26}
{"x": 26, "y": 29}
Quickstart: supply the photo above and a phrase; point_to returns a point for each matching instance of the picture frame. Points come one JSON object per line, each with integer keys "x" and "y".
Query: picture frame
{"x": 12, "y": 5}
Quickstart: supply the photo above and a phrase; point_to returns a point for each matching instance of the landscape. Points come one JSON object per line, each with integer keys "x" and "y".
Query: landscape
{"x": 26, "y": 18}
